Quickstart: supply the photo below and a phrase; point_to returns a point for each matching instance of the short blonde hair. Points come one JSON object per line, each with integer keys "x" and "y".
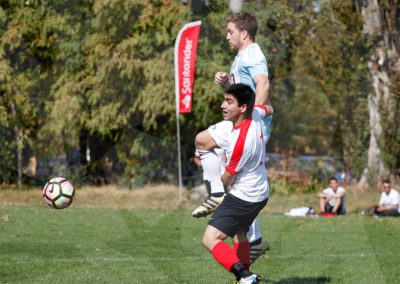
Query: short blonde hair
{"x": 244, "y": 22}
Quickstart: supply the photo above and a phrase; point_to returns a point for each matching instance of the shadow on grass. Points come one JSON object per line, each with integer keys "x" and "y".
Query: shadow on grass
{"x": 300, "y": 280}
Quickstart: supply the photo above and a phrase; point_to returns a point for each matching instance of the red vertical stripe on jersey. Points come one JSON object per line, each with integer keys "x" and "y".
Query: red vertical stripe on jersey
{"x": 239, "y": 146}
{"x": 264, "y": 108}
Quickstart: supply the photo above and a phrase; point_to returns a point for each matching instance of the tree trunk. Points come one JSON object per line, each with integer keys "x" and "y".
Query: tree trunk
{"x": 380, "y": 27}
{"x": 236, "y": 5}
{"x": 83, "y": 146}
{"x": 18, "y": 138}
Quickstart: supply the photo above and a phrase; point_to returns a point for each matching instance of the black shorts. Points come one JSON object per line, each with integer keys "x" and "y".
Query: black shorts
{"x": 234, "y": 214}
{"x": 329, "y": 209}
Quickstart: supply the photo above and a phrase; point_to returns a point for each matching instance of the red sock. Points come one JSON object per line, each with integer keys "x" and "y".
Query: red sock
{"x": 242, "y": 251}
{"x": 225, "y": 255}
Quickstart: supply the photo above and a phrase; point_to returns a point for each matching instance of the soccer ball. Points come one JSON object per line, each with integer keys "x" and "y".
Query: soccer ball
{"x": 59, "y": 193}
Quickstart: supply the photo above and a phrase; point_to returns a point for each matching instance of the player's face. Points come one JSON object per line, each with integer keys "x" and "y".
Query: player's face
{"x": 230, "y": 108}
{"x": 386, "y": 187}
{"x": 333, "y": 184}
{"x": 234, "y": 37}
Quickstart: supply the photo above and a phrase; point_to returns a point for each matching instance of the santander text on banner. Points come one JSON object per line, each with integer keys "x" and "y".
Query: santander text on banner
{"x": 185, "y": 60}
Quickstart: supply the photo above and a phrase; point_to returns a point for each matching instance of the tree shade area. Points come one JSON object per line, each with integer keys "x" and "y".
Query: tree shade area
{"x": 92, "y": 82}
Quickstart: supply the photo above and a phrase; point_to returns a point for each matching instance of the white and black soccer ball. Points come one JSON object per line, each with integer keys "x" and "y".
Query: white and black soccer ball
{"x": 59, "y": 193}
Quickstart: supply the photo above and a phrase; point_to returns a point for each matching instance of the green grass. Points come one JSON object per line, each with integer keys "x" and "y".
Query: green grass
{"x": 78, "y": 245}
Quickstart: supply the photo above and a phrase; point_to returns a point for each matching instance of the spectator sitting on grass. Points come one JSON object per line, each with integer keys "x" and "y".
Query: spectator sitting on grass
{"x": 389, "y": 204}
{"x": 331, "y": 199}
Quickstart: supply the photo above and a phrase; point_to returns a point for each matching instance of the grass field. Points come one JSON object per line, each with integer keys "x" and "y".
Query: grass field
{"x": 138, "y": 245}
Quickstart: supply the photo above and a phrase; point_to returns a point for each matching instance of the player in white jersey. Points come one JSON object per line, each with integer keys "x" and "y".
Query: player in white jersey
{"x": 249, "y": 67}
{"x": 389, "y": 203}
{"x": 245, "y": 173}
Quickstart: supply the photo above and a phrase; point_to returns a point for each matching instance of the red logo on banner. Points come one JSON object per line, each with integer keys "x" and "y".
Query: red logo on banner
{"x": 185, "y": 60}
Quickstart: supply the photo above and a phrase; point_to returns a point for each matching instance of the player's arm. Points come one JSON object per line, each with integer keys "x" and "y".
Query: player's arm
{"x": 262, "y": 90}
{"x": 270, "y": 109}
{"x": 380, "y": 205}
{"x": 339, "y": 195}
{"x": 393, "y": 207}
{"x": 228, "y": 179}
{"x": 204, "y": 141}
{"x": 322, "y": 194}
{"x": 197, "y": 161}
{"x": 222, "y": 78}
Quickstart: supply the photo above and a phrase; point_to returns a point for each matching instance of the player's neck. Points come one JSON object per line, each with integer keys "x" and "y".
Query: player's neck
{"x": 245, "y": 45}
{"x": 238, "y": 121}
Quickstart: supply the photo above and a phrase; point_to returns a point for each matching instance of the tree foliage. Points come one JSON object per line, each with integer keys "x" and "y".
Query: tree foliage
{"x": 99, "y": 75}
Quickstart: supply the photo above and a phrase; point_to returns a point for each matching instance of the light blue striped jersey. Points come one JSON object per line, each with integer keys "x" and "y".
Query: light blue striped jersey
{"x": 249, "y": 63}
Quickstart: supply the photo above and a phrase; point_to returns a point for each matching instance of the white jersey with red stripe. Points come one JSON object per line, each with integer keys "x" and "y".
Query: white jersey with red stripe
{"x": 245, "y": 151}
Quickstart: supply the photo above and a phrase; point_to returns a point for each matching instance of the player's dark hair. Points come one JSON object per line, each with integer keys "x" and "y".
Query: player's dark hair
{"x": 244, "y": 22}
{"x": 386, "y": 181}
{"x": 244, "y": 95}
{"x": 332, "y": 178}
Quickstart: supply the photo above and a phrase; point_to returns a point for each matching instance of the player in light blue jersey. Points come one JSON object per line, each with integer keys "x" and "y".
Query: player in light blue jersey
{"x": 249, "y": 67}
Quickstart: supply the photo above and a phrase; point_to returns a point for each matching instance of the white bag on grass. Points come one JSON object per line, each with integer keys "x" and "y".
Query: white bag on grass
{"x": 300, "y": 212}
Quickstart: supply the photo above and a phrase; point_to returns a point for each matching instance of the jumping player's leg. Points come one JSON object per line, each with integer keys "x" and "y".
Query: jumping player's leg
{"x": 211, "y": 164}
{"x": 258, "y": 245}
{"x": 254, "y": 232}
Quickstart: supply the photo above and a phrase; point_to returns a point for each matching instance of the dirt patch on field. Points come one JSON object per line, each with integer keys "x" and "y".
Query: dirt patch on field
{"x": 150, "y": 197}
{"x": 164, "y": 196}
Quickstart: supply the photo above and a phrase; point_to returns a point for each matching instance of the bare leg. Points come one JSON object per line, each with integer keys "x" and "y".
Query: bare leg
{"x": 322, "y": 201}
{"x": 337, "y": 205}
{"x": 212, "y": 236}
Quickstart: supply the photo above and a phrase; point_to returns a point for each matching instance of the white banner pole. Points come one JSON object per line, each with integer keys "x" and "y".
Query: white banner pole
{"x": 179, "y": 156}
{"x": 178, "y": 132}
{"x": 177, "y": 93}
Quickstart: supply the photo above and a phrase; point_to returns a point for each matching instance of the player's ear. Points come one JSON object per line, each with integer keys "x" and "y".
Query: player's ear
{"x": 243, "y": 108}
{"x": 244, "y": 34}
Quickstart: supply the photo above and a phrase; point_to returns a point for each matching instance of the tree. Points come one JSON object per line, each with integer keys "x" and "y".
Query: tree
{"x": 120, "y": 66}
{"x": 382, "y": 27}
{"x": 98, "y": 75}
{"x": 25, "y": 57}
